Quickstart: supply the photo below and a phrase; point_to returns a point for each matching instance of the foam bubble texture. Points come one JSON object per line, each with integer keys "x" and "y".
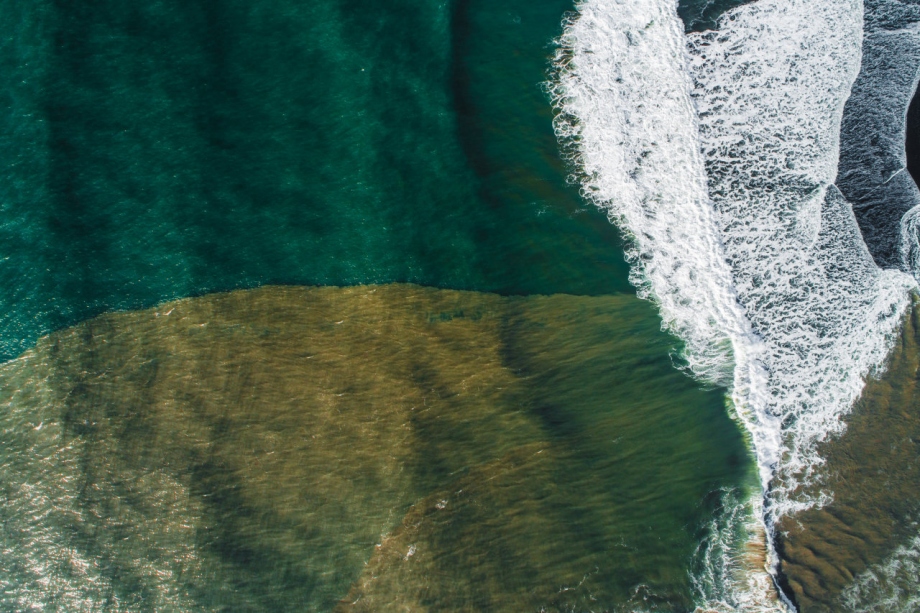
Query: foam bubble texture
{"x": 716, "y": 153}
{"x": 770, "y": 90}
{"x": 624, "y": 93}
{"x": 625, "y": 110}
{"x": 872, "y": 172}
{"x": 728, "y": 574}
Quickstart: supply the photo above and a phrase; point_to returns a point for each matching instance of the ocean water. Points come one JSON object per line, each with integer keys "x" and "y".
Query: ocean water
{"x": 372, "y": 448}
{"x": 346, "y": 430}
{"x": 324, "y": 306}
{"x": 873, "y": 172}
{"x": 859, "y": 551}
{"x": 175, "y": 149}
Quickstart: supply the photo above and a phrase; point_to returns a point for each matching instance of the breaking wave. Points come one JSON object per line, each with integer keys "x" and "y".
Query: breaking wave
{"x": 716, "y": 153}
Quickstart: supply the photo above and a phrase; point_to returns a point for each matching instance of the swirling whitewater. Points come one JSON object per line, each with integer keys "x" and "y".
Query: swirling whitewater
{"x": 716, "y": 154}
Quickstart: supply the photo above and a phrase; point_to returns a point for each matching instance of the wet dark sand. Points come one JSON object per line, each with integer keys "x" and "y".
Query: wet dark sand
{"x": 873, "y": 470}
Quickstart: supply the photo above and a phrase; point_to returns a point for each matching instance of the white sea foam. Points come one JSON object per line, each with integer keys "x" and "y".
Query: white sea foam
{"x": 623, "y": 92}
{"x": 771, "y": 86}
{"x": 624, "y": 96}
{"x": 716, "y": 154}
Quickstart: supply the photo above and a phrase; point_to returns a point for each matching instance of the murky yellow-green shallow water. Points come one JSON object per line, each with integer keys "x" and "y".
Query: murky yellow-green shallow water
{"x": 374, "y": 448}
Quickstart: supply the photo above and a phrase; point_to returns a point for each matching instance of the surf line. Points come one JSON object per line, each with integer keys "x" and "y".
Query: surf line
{"x": 716, "y": 153}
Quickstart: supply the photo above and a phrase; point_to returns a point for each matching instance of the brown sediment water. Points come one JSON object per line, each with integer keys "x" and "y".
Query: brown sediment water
{"x": 368, "y": 448}
{"x": 873, "y": 474}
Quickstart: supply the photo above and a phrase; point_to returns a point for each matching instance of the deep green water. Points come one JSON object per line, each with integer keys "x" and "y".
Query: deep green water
{"x": 164, "y": 149}
{"x": 170, "y": 149}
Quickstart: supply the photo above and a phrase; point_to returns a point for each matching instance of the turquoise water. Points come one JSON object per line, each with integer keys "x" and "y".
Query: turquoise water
{"x": 170, "y": 149}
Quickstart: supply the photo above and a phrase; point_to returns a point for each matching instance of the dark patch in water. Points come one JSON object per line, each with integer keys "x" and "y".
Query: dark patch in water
{"x": 912, "y": 138}
{"x": 699, "y": 15}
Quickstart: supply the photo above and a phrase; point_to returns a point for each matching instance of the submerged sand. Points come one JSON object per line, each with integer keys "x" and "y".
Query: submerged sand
{"x": 382, "y": 448}
{"x": 873, "y": 474}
